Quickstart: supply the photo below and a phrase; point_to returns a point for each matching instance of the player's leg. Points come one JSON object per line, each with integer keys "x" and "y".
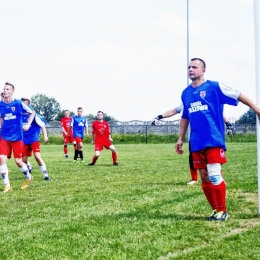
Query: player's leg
{"x": 209, "y": 192}
{"x": 216, "y": 157}
{"x": 28, "y": 164}
{"x": 18, "y": 151}
{"x": 37, "y": 155}
{"x": 193, "y": 171}
{"x": 65, "y": 146}
{"x": 207, "y": 187}
{"x": 26, "y": 153}
{"x": 96, "y": 155}
{"x": 114, "y": 154}
{"x": 74, "y": 144}
{"x": 78, "y": 153}
{"x": 5, "y": 150}
{"x": 80, "y": 149}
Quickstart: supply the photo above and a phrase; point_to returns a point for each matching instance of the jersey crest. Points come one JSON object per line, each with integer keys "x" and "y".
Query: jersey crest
{"x": 203, "y": 94}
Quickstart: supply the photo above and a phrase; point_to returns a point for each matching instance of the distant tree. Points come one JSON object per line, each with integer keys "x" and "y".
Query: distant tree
{"x": 91, "y": 117}
{"x": 107, "y": 118}
{"x": 45, "y": 106}
{"x": 60, "y": 115}
{"x": 248, "y": 118}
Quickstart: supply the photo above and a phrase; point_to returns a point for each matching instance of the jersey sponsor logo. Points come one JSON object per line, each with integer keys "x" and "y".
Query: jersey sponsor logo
{"x": 222, "y": 153}
{"x": 81, "y": 124}
{"x": 197, "y": 106}
{"x": 203, "y": 94}
{"x": 9, "y": 116}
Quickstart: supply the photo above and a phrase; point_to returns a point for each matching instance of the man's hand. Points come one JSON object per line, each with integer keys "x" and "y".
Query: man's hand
{"x": 26, "y": 127}
{"x": 178, "y": 147}
{"x": 230, "y": 129}
{"x": 156, "y": 120}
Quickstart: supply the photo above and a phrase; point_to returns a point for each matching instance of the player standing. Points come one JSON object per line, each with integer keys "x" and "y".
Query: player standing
{"x": 203, "y": 102}
{"x": 11, "y": 111}
{"x": 67, "y": 136}
{"x": 31, "y": 141}
{"x": 79, "y": 125}
{"x": 101, "y": 137}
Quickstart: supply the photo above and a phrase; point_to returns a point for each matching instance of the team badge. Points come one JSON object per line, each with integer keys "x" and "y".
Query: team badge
{"x": 222, "y": 153}
{"x": 203, "y": 94}
{"x": 13, "y": 109}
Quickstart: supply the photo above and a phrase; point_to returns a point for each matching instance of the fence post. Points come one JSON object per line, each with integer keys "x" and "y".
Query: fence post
{"x": 146, "y": 132}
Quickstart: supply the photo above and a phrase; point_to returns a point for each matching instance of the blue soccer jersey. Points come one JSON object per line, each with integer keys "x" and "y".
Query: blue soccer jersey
{"x": 33, "y": 133}
{"x": 11, "y": 114}
{"x": 203, "y": 107}
{"x": 79, "y": 124}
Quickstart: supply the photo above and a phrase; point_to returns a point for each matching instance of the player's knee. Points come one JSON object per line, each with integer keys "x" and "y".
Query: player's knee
{"x": 214, "y": 172}
{"x": 97, "y": 153}
{"x": 112, "y": 148}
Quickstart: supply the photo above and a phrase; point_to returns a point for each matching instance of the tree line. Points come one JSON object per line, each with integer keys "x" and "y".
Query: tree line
{"x": 50, "y": 109}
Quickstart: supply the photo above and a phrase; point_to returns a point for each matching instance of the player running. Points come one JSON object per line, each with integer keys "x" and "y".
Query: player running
{"x": 11, "y": 112}
{"x": 31, "y": 140}
{"x": 67, "y": 136}
{"x": 79, "y": 125}
{"x": 101, "y": 137}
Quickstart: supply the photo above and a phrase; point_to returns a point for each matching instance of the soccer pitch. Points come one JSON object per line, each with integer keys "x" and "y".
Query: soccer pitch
{"x": 142, "y": 209}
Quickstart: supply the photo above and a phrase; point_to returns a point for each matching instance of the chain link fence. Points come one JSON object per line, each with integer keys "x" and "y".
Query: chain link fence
{"x": 145, "y": 127}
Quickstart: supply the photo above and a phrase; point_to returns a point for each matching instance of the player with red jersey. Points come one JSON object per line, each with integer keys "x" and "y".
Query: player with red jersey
{"x": 67, "y": 138}
{"x": 101, "y": 137}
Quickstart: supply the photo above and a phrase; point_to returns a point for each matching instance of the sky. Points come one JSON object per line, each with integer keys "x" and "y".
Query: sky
{"x": 127, "y": 58}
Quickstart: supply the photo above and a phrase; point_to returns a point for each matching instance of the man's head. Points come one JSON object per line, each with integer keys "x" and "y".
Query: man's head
{"x": 100, "y": 115}
{"x": 2, "y": 95}
{"x": 80, "y": 111}
{"x": 196, "y": 68}
{"x": 26, "y": 101}
{"x": 67, "y": 113}
{"x": 8, "y": 90}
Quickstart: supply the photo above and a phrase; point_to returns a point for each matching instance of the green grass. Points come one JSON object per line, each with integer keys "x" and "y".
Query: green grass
{"x": 142, "y": 209}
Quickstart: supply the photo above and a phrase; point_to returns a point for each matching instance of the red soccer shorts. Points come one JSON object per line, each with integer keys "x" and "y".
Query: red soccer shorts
{"x": 68, "y": 139}
{"x": 29, "y": 148}
{"x": 208, "y": 156}
{"x": 6, "y": 148}
{"x": 78, "y": 140}
{"x": 99, "y": 145}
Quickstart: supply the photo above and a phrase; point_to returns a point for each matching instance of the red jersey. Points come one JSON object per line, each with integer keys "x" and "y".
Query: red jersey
{"x": 65, "y": 123}
{"x": 101, "y": 130}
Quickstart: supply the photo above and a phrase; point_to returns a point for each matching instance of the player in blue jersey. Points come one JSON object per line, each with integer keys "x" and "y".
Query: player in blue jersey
{"x": 31, "y": 141}
{"x": 79, "y": 125}
{"x": 11, "y": 112}
{"x": 203, "y": 102}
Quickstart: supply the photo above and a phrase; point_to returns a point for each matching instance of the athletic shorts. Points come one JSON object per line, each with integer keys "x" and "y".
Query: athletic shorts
{"x": 29, "y": 148}
{"x": 208, "y": 156}
{"x": 7, "y": 147}
{"x": 78, "y": 140}
{"x": 68, "y": 139}
{"x": 100, "y": 145}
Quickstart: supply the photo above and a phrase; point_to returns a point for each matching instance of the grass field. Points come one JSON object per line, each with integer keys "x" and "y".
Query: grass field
{"x": 142, "y": 209}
